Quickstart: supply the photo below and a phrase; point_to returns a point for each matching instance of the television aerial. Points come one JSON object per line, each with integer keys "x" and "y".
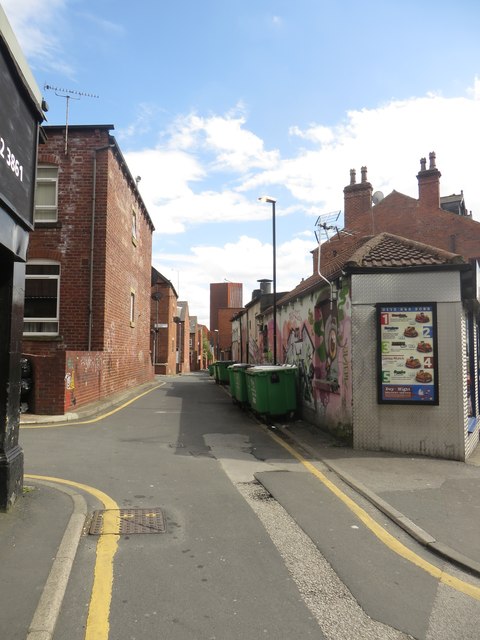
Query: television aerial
{"x": 68, "y": 94}
{"x": 326, "y": 223}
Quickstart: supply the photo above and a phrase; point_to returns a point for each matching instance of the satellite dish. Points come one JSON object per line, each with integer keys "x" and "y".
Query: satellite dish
{"x": 377, "y": 197}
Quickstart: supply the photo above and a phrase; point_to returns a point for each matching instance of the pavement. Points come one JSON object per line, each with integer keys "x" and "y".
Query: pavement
{"x": 437, "y": 502}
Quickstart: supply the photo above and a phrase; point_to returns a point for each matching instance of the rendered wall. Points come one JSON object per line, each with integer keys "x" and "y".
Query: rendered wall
{"x": 316, "y": 337}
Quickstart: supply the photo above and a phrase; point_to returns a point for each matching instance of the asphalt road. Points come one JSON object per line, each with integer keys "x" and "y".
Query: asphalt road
{"x": 233, "y": 563}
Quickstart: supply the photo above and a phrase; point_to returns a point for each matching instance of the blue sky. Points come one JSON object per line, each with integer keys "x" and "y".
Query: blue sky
{"x": 216, "y": 103}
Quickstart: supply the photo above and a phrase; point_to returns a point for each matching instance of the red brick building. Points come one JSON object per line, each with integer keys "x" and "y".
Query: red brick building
{"x": 164, "y": 324}
{"x": 226, "y": 299}
{"x": 205, "y": 345}
{"x": 183, "y": 337}
{"x": 88, "y": 279}
{"x": 442, "y": 222}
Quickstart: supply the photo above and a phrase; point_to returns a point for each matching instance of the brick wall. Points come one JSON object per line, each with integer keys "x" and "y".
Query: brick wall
{"x": 164, "y": 339}
{"x": 67, "y": 380}
{"x": 95, "y": 186}
{"x": 225, "y": 331}
{"x": 222, "y": 295}
{"x": 419, "y": 219}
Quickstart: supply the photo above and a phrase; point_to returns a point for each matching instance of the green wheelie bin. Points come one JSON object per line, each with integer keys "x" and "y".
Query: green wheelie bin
{"x": 221, "y": 371}
{"x": 238, "y": 383}
{"x": 272, "y": 389}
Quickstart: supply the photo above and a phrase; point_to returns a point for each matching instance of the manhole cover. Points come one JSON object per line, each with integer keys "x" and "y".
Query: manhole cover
{"x": 127, "y": 521}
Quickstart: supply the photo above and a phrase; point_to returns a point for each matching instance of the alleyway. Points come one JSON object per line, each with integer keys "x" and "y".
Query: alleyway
{"x": 225, "y": 560}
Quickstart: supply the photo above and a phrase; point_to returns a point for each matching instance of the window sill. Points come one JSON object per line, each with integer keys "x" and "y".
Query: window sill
{"x": 47, "y": 225}
{"x": 41, "y": 338}
{"x": 134, "y": 241}
{"x": 132, "y": 324}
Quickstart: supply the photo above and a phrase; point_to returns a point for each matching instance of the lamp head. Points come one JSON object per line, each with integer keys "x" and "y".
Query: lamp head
{"x": 268, "y": 199}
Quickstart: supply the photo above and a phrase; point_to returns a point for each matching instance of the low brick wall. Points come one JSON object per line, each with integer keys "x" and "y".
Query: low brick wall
{"x": 66, "y": 380}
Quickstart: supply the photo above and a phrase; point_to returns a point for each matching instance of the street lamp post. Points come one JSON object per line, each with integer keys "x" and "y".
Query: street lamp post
{"x": 272, "y": 201}
{"x": 216, "y": 336}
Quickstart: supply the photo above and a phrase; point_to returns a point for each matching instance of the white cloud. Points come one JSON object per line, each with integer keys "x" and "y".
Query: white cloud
{"x": 245, "y": 261}
{"x": 389, "y": 140}
{"x": 180, "y": 178}
{"x": 183, "y": 180}
{"x": 233, "y": 147}
{"x": 39, "y": 27}
{"x": 167, "y": 179}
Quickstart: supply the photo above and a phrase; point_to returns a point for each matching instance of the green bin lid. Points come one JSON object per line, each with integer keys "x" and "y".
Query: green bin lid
{"x": 269, "y": 368}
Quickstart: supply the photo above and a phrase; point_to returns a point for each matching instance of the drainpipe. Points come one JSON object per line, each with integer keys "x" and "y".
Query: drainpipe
{"x": 240, "y": 338}
{"x": 92, "y": 241}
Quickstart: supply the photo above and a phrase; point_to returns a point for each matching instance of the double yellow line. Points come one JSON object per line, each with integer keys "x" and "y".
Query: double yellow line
{"x": 98, "y": 623}
{"x": 382, "y": 534}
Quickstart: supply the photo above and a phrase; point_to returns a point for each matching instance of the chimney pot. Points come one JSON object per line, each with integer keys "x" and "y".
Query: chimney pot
{"x": 364, "y": 174}
{"x": 352, "y": 176}
{"x": 429, "y": 183}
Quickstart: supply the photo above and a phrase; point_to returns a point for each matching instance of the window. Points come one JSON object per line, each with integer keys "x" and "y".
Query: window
{"x": 42, "y": 283}
{"x": 132, "y": 308}
{"x": 46, "y": 194}
{"x": 134, "y": 227}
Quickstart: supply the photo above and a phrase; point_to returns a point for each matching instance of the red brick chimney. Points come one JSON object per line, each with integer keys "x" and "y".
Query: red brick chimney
{"x": 429, "y": 183}
{"x": 358, "y": 203}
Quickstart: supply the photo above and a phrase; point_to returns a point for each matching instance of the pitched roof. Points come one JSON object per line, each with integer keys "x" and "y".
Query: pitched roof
{"x": 383, "y": 251}
{"x": 386, "y": 251}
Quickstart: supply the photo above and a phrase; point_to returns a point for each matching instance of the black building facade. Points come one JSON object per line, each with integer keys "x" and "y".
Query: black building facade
{"x": 20, "y": 117}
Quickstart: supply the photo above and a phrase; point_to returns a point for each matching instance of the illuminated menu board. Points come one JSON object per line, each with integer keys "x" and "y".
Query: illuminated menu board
{"x": 407, "y": 353}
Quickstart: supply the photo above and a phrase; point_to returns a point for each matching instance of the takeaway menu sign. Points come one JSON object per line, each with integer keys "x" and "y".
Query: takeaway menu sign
{"x": 18, "y": 143}
{"x": 407, "y": 353}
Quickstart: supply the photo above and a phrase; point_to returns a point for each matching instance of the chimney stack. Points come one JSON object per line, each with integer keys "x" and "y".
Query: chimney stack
{"x": 265, "y": 285}
{"x": 358, "y": 202}
{"x": 429, "y": 183}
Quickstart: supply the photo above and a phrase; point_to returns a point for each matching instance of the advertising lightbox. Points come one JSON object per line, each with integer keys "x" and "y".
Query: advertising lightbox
{"x": 407, "y": 353}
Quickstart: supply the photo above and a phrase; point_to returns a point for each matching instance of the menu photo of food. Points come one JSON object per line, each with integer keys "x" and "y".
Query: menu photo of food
{"x": 407, "y": 352}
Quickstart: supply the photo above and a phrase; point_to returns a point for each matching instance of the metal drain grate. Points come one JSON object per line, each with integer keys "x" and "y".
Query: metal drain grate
{"x": 127, "y": 521}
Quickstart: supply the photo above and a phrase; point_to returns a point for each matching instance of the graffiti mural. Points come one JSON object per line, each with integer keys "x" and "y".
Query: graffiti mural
{"x": 316, "y": 337}
{"x": 70, "y": 399}
{"x": 332, "y": 380}
{"x": 298, "y": 349}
